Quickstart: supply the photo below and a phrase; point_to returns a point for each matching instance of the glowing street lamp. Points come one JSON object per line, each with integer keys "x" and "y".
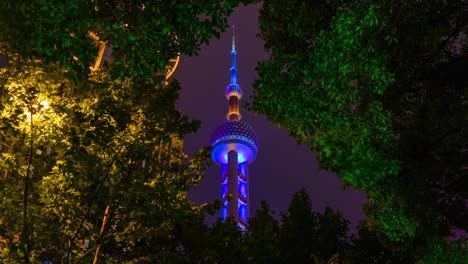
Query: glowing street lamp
{"x": 42, "y": 106}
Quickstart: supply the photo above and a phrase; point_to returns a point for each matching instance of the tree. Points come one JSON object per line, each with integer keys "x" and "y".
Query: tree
{"x": 308, "y": 236}
{"x": 332, "y": 234}
{"x": 375, "y": 87}
{"x": 427, "y": 56}
{"x": 366, "y": 247}
{"x": 95, "y": 172}
{"x": 445, "y": 252}
{"x": 297, "y": 235}
{"x": 98, "y": 166}
{"x": 328, "y": 87}
{"x": 263, "y": 236}
{"x": 144, "y": 34}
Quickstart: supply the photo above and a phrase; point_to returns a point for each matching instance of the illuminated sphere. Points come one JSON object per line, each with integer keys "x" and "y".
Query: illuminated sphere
{"x": 234, "y": 135}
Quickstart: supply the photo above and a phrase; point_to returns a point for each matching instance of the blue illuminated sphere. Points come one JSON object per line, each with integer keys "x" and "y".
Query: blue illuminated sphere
{"x": 234, "y": 135}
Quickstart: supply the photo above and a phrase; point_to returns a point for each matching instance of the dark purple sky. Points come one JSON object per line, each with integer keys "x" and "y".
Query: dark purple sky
{"x": 282, "y": 166}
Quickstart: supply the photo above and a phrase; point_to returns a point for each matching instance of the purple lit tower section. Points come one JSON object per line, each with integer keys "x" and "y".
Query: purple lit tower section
{"x": 234, "y": 145}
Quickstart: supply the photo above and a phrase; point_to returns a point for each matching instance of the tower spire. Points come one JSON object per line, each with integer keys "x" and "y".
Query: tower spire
{"x": 234, "y": 38}
{"x": 233, "y": 54}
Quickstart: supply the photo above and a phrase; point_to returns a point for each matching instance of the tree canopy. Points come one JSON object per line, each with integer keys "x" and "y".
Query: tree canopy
{"x": 144, "y": 34}
{"x": 378, "y": 89}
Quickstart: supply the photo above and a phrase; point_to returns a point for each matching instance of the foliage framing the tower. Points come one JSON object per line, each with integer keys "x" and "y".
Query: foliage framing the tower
{"x": 378, "y": 89}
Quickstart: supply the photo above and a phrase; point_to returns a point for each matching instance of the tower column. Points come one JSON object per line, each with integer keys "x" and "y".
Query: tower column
{"x": 233, "y": 109}
{"x": 232, "y": 172}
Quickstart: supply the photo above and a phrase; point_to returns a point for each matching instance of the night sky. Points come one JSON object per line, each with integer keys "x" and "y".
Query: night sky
{"x": 282, "y": 166}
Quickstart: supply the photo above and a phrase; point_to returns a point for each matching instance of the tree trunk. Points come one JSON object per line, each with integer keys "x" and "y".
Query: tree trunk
{"x": 103, "y": 227}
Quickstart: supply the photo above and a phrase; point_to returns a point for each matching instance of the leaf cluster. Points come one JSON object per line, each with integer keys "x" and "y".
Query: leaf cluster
{"x": 58, "y": 31}
{"x": 329, "y": 96}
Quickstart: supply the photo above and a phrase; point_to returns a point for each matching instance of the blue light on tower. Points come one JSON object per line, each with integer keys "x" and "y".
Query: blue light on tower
{"x": 234, "y": 145}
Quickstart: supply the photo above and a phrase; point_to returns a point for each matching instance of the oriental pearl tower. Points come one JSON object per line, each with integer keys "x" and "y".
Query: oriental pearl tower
{"x": 234, "y": 145}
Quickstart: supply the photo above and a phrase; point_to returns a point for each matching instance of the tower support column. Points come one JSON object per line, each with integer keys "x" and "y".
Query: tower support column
{"x": 232, "y": 172}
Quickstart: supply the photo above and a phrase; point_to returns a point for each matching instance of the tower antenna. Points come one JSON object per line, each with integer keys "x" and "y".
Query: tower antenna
{"x": 234, "y": 38}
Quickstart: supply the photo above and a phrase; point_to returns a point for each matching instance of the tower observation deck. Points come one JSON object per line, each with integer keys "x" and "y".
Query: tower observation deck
{"x": 234, "y": 145}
